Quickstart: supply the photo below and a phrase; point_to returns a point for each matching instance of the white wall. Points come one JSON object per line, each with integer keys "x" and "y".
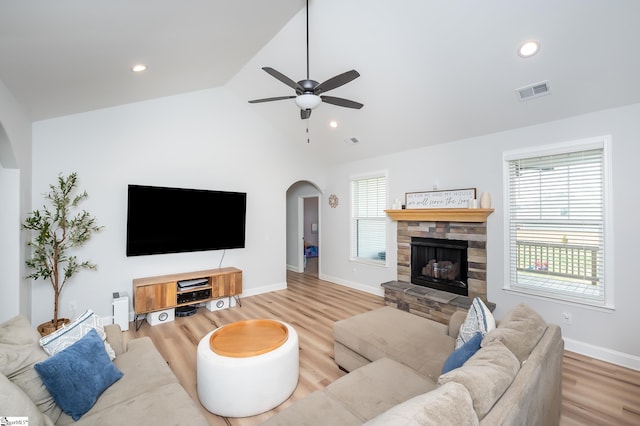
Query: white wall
{"x": 208, "y": 140}
{"x": 10, "y": 230}
{"x": 477, "y": 162}
{"x": 15, "y": 202}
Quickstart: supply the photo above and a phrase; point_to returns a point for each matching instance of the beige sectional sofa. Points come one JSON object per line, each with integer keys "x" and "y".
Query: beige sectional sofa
{"x": 147, "y": 394}
{"x": 395, "y": 361}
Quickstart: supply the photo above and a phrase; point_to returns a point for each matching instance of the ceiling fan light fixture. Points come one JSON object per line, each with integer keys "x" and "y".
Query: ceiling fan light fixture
{"x": 308, "y": 101}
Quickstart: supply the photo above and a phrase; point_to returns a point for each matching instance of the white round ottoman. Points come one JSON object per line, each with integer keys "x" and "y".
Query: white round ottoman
{"x": 247, "y": 367}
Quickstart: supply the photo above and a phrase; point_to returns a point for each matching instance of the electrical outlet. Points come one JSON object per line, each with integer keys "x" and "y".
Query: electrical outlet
{"x": 566, "y": 317}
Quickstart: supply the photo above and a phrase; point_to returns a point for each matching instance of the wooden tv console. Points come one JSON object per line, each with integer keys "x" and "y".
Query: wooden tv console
{"x": 158, "y": 293}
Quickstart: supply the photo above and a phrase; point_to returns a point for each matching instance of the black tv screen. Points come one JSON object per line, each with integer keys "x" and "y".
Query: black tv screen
{"x": 173, "y": 220}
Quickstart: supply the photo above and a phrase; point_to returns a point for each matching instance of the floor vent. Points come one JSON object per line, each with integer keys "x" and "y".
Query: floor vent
{"x": 533, "y": 91}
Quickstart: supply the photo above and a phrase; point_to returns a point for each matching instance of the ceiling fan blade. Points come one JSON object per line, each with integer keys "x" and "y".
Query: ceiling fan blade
{"x": 278, "y": 98}
{"x": 341, "y": 102}
{"x": 336, "y": 81}
{"x": 283, "y": 78}
{"x": 305, "y": 113}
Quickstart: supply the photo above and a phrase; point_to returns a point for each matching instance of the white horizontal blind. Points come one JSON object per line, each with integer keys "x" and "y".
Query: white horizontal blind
{"x": 556, "y": 224}
{"x": 368, "y": 220}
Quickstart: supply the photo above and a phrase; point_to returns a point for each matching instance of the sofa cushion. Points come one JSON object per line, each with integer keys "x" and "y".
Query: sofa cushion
{"x": 145, "y": 373}
{"x": 462, "y": 354}
{"x": 143, "y": 370}
{"x": 165, "y": 405}
{"x": 71, "y": 333}
{"x": 448, "y": 405}
{"x": 318, "y": 408}
{"x": 114, "y": 338}
{"x": 346, "y": 358}
{"x": 479, "y": 320}
{"x": 415, "y": 341}
{"x": 19, "y": 351}
{"x": 15, "y": 403}
{"x": 486, "y": 375}
{"x": 455, "y": 321}
{"x": 77, "y": 375}
{"x": 376, "y": 387}
{"x": 520, "y": 331}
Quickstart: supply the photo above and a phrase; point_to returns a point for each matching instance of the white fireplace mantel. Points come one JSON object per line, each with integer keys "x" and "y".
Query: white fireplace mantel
{"x": 440, "y": 215}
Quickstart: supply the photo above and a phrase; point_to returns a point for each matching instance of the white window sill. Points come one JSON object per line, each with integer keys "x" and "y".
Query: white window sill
{"x": 560, "y": 298}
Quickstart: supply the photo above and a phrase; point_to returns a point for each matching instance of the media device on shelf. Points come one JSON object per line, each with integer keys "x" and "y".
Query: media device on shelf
{"x": 173, "y": 220}
{"x": 193, "y": 296}
{"x": 193, "y": 283}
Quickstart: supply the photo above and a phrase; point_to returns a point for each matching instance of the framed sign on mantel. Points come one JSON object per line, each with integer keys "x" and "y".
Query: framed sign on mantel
{"x": 450, "y": 199}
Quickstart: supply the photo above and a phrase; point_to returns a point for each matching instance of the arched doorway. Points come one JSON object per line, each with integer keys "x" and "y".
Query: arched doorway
{"x": 303, "y": 228}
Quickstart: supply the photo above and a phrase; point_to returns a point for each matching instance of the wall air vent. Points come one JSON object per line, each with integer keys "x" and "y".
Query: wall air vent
{"x": 533, "y": 91}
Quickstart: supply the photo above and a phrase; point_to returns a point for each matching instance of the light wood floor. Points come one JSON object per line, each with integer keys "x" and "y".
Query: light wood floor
{"x": 594, "y": 392}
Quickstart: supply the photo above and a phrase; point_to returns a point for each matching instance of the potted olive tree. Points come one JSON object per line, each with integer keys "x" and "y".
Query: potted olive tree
{"x": 56, "y": 230}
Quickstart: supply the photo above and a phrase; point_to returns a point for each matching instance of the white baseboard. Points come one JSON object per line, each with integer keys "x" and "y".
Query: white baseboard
{"x": 293, "y": 268}
{"x": 377, "y": 291}
{"x": 603, "y": 354}
{"x": 264, "y": 289}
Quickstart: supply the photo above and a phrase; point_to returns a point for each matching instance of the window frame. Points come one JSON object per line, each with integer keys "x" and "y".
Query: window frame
{"x": 352, "y": 220}
{"x": 599, "y": 142}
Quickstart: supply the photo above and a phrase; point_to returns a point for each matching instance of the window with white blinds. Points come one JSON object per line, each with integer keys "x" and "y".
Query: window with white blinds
{"x": 368, "y": 219}
{"x": 555, "y": 223}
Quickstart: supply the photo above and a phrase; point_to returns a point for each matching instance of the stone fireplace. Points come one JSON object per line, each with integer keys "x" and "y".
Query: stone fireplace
{"x": 454, "y": 227}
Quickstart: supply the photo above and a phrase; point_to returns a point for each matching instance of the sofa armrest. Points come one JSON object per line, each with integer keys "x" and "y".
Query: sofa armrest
{"x": 114, "y": 338}
{"x": 457, "y": 318}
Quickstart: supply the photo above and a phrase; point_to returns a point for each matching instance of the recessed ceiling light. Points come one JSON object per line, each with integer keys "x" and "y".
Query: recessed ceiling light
{"x": 529, "y": 49}
{"x": 333, "y": 123}
{"x": 138, "y": 68}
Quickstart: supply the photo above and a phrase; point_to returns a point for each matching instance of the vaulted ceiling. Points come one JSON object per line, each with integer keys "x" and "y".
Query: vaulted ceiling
{"x": 432, "y": 71}
{"x": 68, "y": 56}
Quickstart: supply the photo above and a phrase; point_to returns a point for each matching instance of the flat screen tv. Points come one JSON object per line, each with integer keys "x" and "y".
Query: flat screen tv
{"x": 173, "y": 220}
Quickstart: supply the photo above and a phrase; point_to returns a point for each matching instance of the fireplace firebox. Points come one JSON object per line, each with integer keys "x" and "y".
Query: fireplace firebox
{"x": 440, "y": 264}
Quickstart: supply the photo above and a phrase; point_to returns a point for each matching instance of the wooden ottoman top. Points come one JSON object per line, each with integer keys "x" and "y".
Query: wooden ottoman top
{"x": 248, "y": 338}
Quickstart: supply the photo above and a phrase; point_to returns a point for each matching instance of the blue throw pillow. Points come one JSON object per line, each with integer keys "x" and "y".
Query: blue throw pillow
{"x": 462, "y": 354}
{"x": 77, "y": 375}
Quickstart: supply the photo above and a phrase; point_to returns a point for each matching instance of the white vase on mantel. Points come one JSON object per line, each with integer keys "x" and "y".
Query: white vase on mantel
{"x": 485, "y": 200}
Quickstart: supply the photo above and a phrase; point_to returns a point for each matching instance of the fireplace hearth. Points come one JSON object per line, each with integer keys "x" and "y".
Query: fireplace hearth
{"x": 440, "y": 264}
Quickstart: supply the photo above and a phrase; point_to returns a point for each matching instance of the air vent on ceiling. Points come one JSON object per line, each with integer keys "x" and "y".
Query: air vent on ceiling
{"x": 533, "y": 91}
{"x": 351, "y": 141}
